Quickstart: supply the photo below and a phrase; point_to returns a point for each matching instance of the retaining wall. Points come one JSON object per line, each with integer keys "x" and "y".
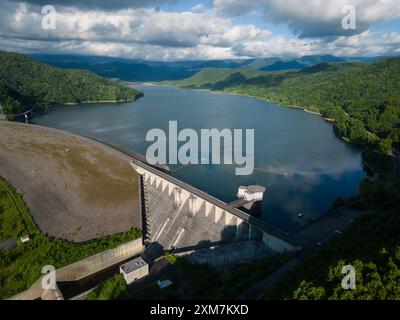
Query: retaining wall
{"x": 86, "y": 267}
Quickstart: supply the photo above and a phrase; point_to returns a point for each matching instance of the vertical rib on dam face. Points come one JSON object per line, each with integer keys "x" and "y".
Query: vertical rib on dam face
{"x": 182, "y": 218}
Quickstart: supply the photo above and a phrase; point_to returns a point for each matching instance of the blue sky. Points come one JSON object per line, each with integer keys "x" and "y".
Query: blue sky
{"x": 390, "y": 26}
{"x": 202, "y": 30}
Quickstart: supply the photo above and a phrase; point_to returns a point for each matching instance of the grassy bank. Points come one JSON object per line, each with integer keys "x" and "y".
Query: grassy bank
{"x": 21, "y": 266}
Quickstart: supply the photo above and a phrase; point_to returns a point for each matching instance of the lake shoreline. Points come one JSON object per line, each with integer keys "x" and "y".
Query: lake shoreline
{"x": 239, "y": 95}
{"x": 328, "y": 120}
{"x": 102, "y": 101}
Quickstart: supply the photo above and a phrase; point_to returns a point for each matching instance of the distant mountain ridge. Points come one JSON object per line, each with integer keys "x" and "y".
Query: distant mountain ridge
{"x": 282, "y": 65}
{"x": 145, "y": 71}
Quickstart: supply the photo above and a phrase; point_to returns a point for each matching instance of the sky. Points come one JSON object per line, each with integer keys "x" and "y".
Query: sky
{"x": 169, "y": 30}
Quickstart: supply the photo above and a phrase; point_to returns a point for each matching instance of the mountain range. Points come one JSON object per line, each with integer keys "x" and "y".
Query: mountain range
{"x": 147, "y": 71}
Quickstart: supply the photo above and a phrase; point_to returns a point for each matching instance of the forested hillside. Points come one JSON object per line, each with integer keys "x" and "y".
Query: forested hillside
{"x": 371, "y": 245}
{"x": 216, "y": 77}
{"x": 25, "y": 83}
{"x": 362, "y": 98}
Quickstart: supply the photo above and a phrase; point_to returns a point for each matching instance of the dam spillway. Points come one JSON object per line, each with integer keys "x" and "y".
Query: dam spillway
{"x": 182, "y": 219}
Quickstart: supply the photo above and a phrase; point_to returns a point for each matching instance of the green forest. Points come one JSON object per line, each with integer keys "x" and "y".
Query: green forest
{"x": 363, "y": 99}
{"x": 27, "y": 84}
{"x": 371, "y": 245}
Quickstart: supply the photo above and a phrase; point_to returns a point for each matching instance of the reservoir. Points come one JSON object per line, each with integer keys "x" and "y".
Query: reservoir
{"x": 297, "y": 156}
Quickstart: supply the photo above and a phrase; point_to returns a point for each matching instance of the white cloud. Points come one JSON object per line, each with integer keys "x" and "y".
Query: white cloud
{"x": 106, "y": 5}
{"x": 366, "y": 44}
{"x": 116, "y": 49}
{"x": 315, "y": 18}
{"x": 143, "y": 32}
{"x": 149, "y": 26}
{"x": 146, "y": 33}
{"x": 363, "y": 44}
{"x": 276, "y": 47}
{"x": 324, "y": 18}
{"x": 234, "y": 35}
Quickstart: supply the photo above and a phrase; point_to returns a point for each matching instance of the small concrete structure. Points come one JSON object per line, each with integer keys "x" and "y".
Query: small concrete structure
{"x": 251, "y": 193}
{"x": 134, "y": 270}
{"x": 88, "y": 266}
{"x": 25, "y": 238}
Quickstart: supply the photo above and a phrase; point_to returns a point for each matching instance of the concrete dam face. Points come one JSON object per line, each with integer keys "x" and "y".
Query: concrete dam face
{"x": 186, "y": 221}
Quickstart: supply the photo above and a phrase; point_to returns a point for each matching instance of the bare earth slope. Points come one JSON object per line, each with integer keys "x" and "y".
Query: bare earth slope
{"x": 76, "y": 189}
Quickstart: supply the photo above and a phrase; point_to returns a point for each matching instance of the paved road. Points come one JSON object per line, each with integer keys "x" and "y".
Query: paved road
{"x": 259, "y": 287}
{"x": 7, "y": 244}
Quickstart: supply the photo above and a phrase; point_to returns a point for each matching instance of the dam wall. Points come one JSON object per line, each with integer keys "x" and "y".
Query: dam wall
{"x": 181, "y": 218}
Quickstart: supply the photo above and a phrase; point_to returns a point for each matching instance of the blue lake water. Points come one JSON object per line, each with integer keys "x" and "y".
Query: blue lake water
{"x": 300, "y": 160}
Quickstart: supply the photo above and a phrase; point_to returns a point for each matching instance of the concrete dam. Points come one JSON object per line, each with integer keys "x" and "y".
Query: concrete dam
{"x": 179, "y": 218}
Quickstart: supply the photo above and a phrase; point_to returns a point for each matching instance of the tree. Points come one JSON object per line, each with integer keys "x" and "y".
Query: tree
{"x": 112, "y": 289}
{"x": 374, "y": 281}
{"x": 307, "y": 291}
